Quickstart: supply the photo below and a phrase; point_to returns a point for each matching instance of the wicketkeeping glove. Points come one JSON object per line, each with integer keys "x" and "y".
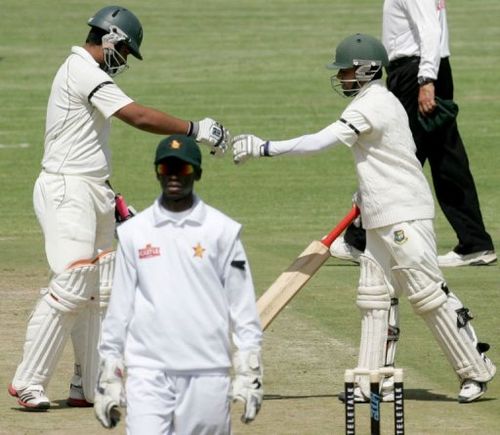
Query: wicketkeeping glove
{"x": 210, "y": 132}
{"x": 246, "y": 146}
{"x": 247, "y": 382}
{"x": 110, "y": 393}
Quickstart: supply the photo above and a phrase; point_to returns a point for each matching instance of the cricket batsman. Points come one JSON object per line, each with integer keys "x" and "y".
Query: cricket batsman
{"x": 75, "y": 204}
{"x": 397, "y": 211}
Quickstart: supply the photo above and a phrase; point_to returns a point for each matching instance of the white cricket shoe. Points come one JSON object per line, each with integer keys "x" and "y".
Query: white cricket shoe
{"x": 481, "y": 258}
{"x": 342, "y": 250}
{"x": 32, "y": 397}
{"x": 471, "y": 390}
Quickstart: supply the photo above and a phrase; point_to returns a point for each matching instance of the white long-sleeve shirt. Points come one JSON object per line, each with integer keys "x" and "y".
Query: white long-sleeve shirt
{"x": 392, "y": 185}
{"x": 416, "y": 28}
{"x": 182, "y": 286}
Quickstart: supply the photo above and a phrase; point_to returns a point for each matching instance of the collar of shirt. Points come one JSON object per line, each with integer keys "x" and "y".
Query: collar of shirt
{"x": 195, "y": 216}
{"x": 80, "y": 51}
{"x": 364, "y": 88}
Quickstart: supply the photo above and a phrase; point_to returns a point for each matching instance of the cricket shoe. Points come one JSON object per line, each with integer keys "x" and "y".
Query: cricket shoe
{"x": 342, "y": 250}
{"x": 32, "y": 397}
{"x": 481, "y": 258}
{"x": 76, "y": 397}
{"x": 471, "y": 390}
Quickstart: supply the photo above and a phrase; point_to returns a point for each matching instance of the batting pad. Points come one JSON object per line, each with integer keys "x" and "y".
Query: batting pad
{"x": 87, "y": 330}
{"x": 439, "y": 311}
{"x": 374, "y": 302}
{"x": 50, "y": 324}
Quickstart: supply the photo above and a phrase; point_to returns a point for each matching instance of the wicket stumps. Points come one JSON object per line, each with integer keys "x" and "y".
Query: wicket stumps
{"x": 375, "y": 377}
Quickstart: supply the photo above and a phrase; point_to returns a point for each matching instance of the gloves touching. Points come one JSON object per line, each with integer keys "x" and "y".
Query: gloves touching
{"x": 211, "y": 133}
{"x": 246, "y": 146}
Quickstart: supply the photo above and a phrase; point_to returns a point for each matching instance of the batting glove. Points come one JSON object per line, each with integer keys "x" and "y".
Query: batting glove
{"x": 247, "y": 383}
{"x": 110, "y": 393}
{"x": 210, "y": 132}
{"x": 246, "y": 146}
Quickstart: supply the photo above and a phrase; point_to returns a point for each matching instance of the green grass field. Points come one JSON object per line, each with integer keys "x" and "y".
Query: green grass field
{"x": 259, "y": 67}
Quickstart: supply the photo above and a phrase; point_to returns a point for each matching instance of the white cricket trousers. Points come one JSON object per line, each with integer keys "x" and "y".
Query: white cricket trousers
{"x": 162, "y": 404}
{"x": 410, "y": 244}
{"x": 76, "y": 215}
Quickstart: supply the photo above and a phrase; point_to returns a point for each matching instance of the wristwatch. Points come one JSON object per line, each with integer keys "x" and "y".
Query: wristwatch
{"x": 424, "y": 80}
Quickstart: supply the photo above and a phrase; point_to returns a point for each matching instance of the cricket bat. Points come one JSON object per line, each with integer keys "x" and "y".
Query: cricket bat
{"x": 288, "y": 284}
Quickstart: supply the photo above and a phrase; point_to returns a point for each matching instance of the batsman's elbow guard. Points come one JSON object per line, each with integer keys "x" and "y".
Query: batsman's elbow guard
{"x": 247, "y": 384}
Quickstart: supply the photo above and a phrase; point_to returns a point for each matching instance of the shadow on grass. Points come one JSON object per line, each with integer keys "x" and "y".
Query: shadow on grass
{"x": 312, "y": 396}
{"x": 55, "y": 405}
{"x": 417, "y": 394}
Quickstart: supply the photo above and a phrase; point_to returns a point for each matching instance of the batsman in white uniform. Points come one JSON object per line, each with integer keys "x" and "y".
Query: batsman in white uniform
{"x": 75, "y": 204}
{"x": 182, "y": 298}
{"x": 397, "y": 211}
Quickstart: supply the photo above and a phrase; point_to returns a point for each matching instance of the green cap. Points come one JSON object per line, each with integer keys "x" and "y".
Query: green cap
{"x": 180, "y": 146}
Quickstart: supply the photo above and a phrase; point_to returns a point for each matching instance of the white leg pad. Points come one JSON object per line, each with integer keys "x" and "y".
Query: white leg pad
{"x": 86, "y": 333}
{"x": 441, "y": 313}
{"x": 374, "y": 302}
{"x": 50, "y": 323}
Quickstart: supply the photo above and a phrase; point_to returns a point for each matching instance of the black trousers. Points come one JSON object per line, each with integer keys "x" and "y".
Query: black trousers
{"x": 444, "y": 150}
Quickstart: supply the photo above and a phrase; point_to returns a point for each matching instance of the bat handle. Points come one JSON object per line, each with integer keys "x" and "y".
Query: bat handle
{"x": 341, "y": 226}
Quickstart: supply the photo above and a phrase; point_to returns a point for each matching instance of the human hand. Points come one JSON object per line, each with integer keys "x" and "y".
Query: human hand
{"x": 246, "y": 146}
{"x": 247, "y": 383}
{"x": 426, "y": 100}
{"x": 212, "y": 133}
{"x": 110, "y": 393}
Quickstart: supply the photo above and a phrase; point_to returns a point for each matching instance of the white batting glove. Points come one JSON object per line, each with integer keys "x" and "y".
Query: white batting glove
{"x": 210, "y": 132}
{"x": 247, "y": 383}
{"x": 110, "y": 393}
{"x": 246, "y": 146}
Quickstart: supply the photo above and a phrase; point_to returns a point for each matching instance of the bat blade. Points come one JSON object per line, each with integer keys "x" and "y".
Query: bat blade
{"x": 293, "y": 279}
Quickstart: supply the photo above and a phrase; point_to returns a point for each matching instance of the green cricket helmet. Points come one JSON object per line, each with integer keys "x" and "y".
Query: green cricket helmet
{"x": 120, "y": 21}
{"x": 359, "y": 49}
{"x": 364, "y": 52}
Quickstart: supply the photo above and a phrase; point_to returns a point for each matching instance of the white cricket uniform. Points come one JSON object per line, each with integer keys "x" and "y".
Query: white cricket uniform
{"x": 75, "y": 208}
{"x": 397, "y": 210}
{"x": 182, "y": 286}
{"x": 392, "y": 188}
{"x": 416, "y": 28}
{"x": 73, "y": 204}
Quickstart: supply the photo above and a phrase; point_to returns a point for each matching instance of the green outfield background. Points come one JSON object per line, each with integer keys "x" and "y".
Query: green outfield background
{"x": 258, "y": 66}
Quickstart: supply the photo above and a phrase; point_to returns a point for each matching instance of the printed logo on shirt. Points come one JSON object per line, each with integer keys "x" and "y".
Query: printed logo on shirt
{"x": 149, "y": 251}
{"x": 400, "y": 237}
{"x": 198, "y": 250}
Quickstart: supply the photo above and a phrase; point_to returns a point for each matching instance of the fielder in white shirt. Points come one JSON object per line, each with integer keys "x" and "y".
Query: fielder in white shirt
{"x": 397, "y": 211}
{"x": 182, "y": 298}
{"x": 75, "y": 204}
